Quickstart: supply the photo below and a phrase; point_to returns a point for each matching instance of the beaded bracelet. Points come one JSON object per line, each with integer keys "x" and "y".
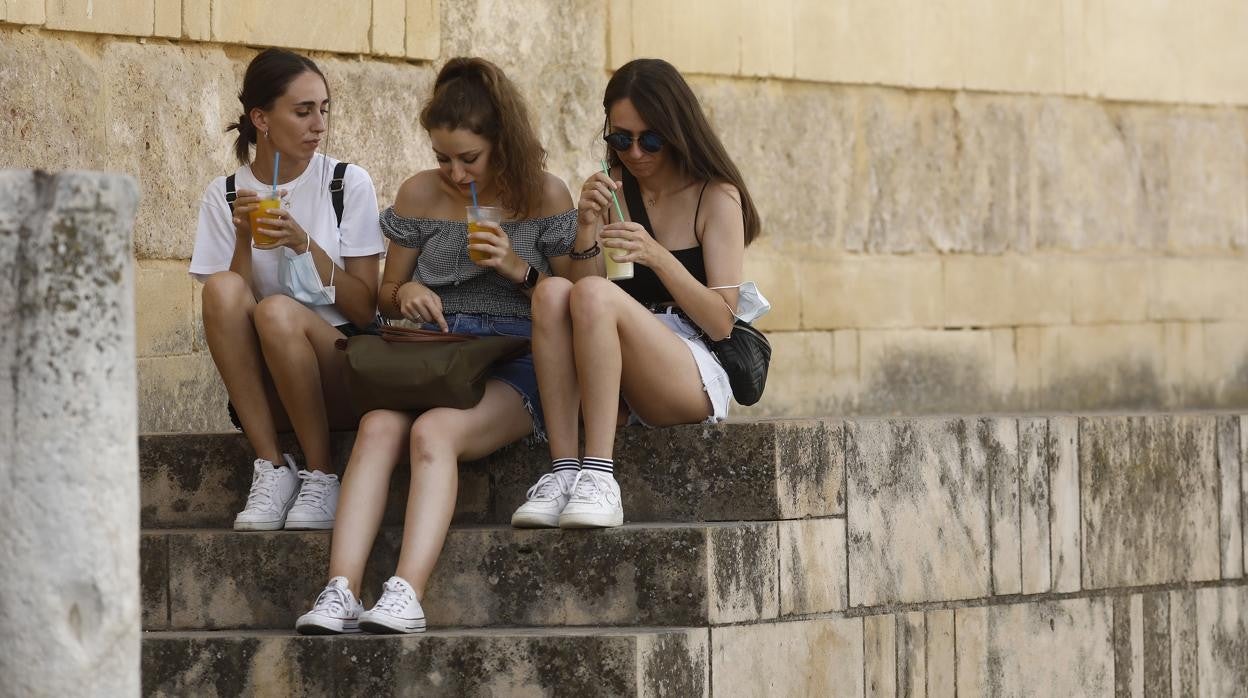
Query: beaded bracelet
{"x": 592, "y": 252}
{"x": 394, "y": 297}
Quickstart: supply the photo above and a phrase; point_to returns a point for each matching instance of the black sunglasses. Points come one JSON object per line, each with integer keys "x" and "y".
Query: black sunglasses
{"x": 650, "y": 141}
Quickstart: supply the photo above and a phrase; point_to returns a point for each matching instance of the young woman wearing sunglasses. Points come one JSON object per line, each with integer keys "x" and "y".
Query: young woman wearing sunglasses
{"x": 635, "y": 350}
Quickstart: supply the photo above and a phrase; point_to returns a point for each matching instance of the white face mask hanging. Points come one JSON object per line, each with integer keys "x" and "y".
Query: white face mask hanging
{"x": 751, "y": 305}
{"x": 300, "y": 280}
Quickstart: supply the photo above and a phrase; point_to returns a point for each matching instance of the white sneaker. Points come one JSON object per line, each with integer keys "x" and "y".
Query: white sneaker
{"x": 273, "y": 491}
{"x": 546, "y": 500}
{"x": 397, "y": 611}
{"x": 595, "y": 502}
{"x": 316, "y": 504}
{"x": 336, "y": 611}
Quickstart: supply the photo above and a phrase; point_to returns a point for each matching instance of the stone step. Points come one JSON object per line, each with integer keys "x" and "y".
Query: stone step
{"x": 748, "y": 471}
{"x": 539, "y": 661}
{"x": 638, "y": 574}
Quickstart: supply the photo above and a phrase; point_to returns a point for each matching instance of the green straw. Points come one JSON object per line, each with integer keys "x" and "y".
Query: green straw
{"x": 606, "y": 169}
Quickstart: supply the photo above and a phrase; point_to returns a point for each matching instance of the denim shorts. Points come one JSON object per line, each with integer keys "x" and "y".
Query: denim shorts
{"x": 518, "y": 373}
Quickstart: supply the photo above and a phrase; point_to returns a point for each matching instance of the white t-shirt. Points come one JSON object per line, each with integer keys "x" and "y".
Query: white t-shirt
{"x": 309, "y": 202}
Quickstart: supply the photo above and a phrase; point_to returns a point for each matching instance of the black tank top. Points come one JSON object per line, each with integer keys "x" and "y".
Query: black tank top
{"x": 645, "y": 286}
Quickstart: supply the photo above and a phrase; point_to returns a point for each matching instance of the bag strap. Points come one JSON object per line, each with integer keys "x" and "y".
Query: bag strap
{"x": 411, "y": 334}
{"x": 230, "y": 194}
{"x": 632, "y": 195}
{"x": 336, "y": 189}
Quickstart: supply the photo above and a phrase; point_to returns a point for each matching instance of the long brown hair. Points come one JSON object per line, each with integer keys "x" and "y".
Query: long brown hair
{"x": 667, "y": 104}
{"x": 473, "y": 93}
{"x": 268, "y": 76}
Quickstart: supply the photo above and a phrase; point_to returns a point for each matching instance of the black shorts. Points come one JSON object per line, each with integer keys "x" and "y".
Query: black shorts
{"x": 347, "y": 329}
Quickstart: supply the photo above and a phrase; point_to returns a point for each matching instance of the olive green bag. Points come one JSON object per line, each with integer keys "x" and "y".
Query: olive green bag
{"x": 413, "y": 370}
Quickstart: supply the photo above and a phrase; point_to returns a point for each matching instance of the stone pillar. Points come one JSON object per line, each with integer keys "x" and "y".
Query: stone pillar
{"x": 69, "y": 484}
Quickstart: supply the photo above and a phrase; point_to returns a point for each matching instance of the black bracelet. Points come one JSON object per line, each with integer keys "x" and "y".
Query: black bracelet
{"x": 592, "y": 252}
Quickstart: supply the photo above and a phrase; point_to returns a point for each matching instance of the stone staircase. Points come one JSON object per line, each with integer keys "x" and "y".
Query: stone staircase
{"x": 942, "y": 556}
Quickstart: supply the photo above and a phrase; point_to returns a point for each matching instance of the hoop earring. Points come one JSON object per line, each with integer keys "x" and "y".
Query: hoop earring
{"x": 266, "y": 135}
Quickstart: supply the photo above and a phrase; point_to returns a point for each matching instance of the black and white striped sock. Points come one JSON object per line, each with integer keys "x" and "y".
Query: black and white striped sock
{"x": 565, "y": 465}
{"x": 602, "y": 465}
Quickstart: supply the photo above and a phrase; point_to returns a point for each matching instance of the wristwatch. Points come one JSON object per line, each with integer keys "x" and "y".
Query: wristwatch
{"x": 530, "y": 278}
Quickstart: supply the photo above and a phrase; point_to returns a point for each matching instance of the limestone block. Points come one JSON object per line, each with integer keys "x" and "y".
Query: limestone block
{"x": 1083, "y": 28}
{"x": 1184, "y": 660}
{"x": 1136, "y": 66}
{"x": 900, "y": 179}
{"x": 181, "y": 394}
{"x": 619, "y": 33}
{"x": 912, "y": 654}
{"x": 153, "y": 578}
{"x": 24, "y": 12}
{"x": 199, "y": 341}
{"x": 820, "y": 658}
{"x": 779, "y": 280}
{"x": 767, "y": 39}
{"x": 1197, "y": 289}
{"x": 926, "y": 371}
{"x": 1108, "y": 290}
{"x": 1208, "y": 157}
{"x": 1226, "y": 362}
{"x": 132, "y": 17}
{"x": 1128, "y": 622}
{"x": 1001, "y": 459}
{"x": 853, "y": 41}
{"x": 809, "y": 467}
{"x": 1066, "y": 516}
{"x": 807, "y": 128}
{"x": 323, "y": 25}
{"x": 167, "y": 18}
{"x": 424, "y": 35}
{"x": 918, "y": 510}
{"x": 744, "y": 562}
{"x": 941, "y": 654}
{"x": 41, "y": 76}
{"x": 675, "y": 663}
{"x": 389, "y": 29}
{"x": 801, "y": 377}
{"x": 1059, "y": 648}
{"x": 812, "y": 566}
{"x": 1150, "y": 509}
{"x": 1005, "y": 291}
{"x": 1218, "y": 61}
{"x": 1222, "y": 640}
{"x": 68, "y": 451}
{"x": 991, "y": 213}
{"x": 933, "y": 44}
{"x": 691, "y": 35}
{"x": 1012, "y": 46}
{"x": 1184, "y": 362}
{"x": 880, "y": 659}
{"x": 163, "y": 299}
{"x": 1230, "y": 490}
{"x": 1243, "y": 495}
{"x": 1034, "y": 497}
{"x": 176, "y": 157}
{"x": 197, "y": 19}
{"x": 874, "y": 292}
{"x": 1095, "y": 367}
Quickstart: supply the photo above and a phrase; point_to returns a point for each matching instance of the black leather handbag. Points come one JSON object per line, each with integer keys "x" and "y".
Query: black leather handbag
{"x": 745, "y": 355}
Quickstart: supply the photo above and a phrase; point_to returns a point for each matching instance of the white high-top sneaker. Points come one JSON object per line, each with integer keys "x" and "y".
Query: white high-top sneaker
{"x": 545, "y": 502}
{"x": 336, "y": 611}
{"x": 316, "y": 504}
{"x": 595, "y": 502}
{"x": 273, "y": 490}
{"x": 397, "y": 611}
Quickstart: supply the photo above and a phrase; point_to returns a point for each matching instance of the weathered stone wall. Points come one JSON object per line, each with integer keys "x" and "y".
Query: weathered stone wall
{"x": 966, "y": 207}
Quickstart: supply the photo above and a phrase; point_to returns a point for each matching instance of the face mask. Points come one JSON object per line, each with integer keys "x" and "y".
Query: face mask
{"x": 751, "y": 305}
{"x": 300, "y": 280}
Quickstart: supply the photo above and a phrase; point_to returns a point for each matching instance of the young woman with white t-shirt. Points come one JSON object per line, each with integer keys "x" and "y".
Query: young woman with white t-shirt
{"x": 276, "y": 354}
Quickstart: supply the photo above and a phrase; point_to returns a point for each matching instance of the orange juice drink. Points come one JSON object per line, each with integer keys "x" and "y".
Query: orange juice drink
{"x": 257, "y": 234}
{"x": 476, "y": 216}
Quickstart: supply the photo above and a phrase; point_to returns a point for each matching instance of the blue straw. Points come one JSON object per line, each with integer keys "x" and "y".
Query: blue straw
{"x": 473, "y": 186}
{"x": 277, "y": 156}
{"x": 606, "y": 169}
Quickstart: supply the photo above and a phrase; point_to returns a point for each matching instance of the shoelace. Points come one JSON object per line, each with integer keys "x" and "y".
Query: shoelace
{"x": 394, "y": 597}
{"x": 586, "y": 486}
{"x": 333, "y": 600}
{"x": 262, "y": 488}
{"x": 549, "y": 486}
{"x": 315, "y": 486}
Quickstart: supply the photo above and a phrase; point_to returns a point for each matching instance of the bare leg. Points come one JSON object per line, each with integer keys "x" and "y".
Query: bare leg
{"x": 308, "y": 372}
{"x": 627, "y": 347}
{"x": 556, "y": 365}
{"x": 440, "y": 438}
{"x": 380, "y": 443}
{"x": 229, "y": 309}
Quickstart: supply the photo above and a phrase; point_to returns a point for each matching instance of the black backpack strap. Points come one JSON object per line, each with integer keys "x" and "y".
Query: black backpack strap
{"x": 336, "y": 188}
{"x": 230, "y": 194}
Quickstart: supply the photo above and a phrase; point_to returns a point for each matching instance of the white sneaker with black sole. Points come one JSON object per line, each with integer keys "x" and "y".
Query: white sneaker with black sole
{"x": 397, "y": 611}
{"x": 316, "y": 504}
{"x": 336, "y": 611}
{"x": 273, "y": 490}
{"x": 545, "y": 502}
{"x": 595, "y": 502}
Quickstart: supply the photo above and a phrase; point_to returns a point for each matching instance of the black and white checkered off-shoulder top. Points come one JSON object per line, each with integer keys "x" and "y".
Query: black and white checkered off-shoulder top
{"x": 464, "y": 287}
